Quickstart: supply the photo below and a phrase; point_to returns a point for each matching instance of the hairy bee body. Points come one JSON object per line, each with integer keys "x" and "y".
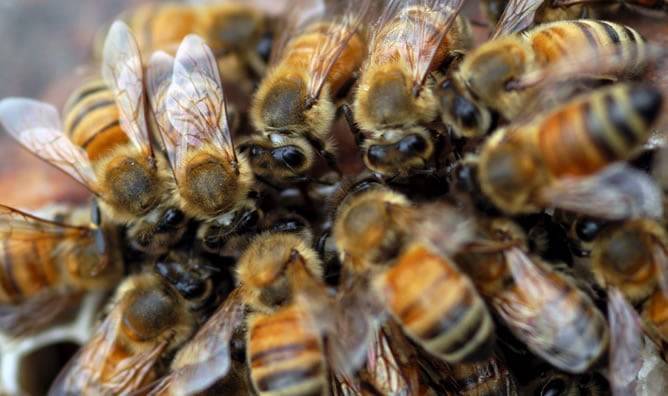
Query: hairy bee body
{"x": 579, "y": 138}
{"x": 285, "y": 353}
{"x": 583, "y": 48}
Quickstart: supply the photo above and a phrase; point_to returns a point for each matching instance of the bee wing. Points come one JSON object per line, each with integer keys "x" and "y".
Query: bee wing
{"x": 517, "y": 16}
{"x": 16, "y": 225}
{"x": 626, "y": 344}
{"x": 195, "y": 103}
{"x": 158, "y": 79}
{"x": 530, "y": 311}
{"x": 37, "y": 126}
{"x": 35, "y": 313}
{"x": 426, "y": 25}
{"x": 86, "y": 372}
{"x": 444, "y": 228}
{"x": 615, "y": 193}
{"x": 206, "y": 357}
{"x": 123, "y": 71}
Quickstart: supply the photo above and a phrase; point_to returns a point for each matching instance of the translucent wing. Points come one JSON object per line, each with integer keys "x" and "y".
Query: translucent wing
{"x": 443, "y": 227}
{"x": 20, "y": 226}
{"x": 206, "y": 357}
{"x": 617, "y": 192}
{"x": 90, "y": 372}
{"x": 422, "y": 26}
{"x": 123, "y": 72}
{"x": 158, "y": 80}
{"x": 36, "y": 313}
{"x": 37, "y": 126}
{"x": 517, "y": 16}
{"x": 535, "y": 311}
{"x": 195, "y": 103}
{"x": 626, "y": 344}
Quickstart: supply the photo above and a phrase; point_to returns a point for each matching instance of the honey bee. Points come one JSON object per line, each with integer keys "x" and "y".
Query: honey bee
{"x": 542, "y": 307}
{"x": 410, "y": 274}
{"x": 394, "y": 103}
{"x": 280, "y": 284}
{"x": 566, "y": 157}
{"x": 504, "y": 74}
{"x": 294, "y": 106}
{"x": 149, "y": 319}
{"x": 654, "y": 313}
{"x": 562, "y": 384}
{"x": 116, "y": 163}
{"x": 633, "y": 257}
{"x": 45, "y": 264}
{"x": 213, "y": 179}
{"x": 228, "y": 27}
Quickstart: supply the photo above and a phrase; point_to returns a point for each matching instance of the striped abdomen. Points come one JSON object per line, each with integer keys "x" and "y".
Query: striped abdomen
{"x": 313, "y": 50}
{"x": 589, "y": 133}
{"x": 556, "y": 321}
{"x": 162, "y": 26}
{"x": 488, "y": 378}
{"x": 438, "y": 306}
{"x": 558, "y": 41}
{"x": 92, "y": 120}
{"x": 421, "y": 27}
{"x": 285, "y": 354}
{"x": 27, "y": 268}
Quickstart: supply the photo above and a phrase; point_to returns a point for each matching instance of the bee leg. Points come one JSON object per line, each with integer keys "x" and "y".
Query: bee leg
{"x": 331, "y": 161}
{"x": 350, "y": 119}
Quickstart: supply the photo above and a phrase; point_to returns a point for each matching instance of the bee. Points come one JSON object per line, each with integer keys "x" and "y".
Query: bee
{"x": 394, "y": 102}
{"x": 46, "y": 263}
{"x": 280, "y": 285}
{"x": 213, "y": 179}
{"x": 228, "y": 27}
{"x": 107, "y": 146}
{"x": 633, "y": 257}
{"x": 543, "y": 308}
{"x": 410, "y": 275}
{"x": 566, "y": 157}
{"x": 149, "y": 318}
{"x": 654, "y": 312}
{"x": 504, "y": 74}
{"x": 294, "y": 106}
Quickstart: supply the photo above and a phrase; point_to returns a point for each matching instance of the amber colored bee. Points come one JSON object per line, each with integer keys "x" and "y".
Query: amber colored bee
{"x": 560, "y": 158}
{"x": 213, "y": 179}
{"x": 280, "y": 284}
{"x": 394, "y": 102}
{"x": 294, "y": 106}
{"x": 654, "y": 313}
{"x": 505, "y": 74}
{"x": 45, "y": 263}
{"x": 116, "y": 163}
{"x": 150, "y": 317}
{"x": 400, "y": 247}
{"x": 542, "y": 307}
{"x": 228, "y": 27}
{"x": 632, "y": 256}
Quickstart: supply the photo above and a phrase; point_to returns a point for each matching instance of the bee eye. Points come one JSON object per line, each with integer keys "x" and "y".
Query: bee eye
{"x": 587, "y": 229}
{"x": 412, "y": 144}
{"x": 263, "y": 46}
{"x": 290, "y": 155}
{"x": 465, "y": 111}
{"x": 555, "y": 387}
{"x": 173, "y": 217}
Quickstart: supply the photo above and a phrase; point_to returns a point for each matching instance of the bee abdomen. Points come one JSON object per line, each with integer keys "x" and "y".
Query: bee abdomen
{"x": 285, "y": 355}
{"x": 439, "y": 307}
{"x": 605, "y": 126}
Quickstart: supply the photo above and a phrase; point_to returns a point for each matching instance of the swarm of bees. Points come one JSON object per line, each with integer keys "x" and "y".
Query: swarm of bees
{"x": 388, "y": 208}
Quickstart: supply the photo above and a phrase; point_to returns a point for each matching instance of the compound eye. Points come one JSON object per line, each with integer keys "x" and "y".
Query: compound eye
{"x": 290, "y": 155}
{"x": 587, "y": 229}
{"x": 263, "y": 46}
{"x": 555, "y": 387}
{"x": 173, "y": 217}
{"x": 412, "y": 144}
